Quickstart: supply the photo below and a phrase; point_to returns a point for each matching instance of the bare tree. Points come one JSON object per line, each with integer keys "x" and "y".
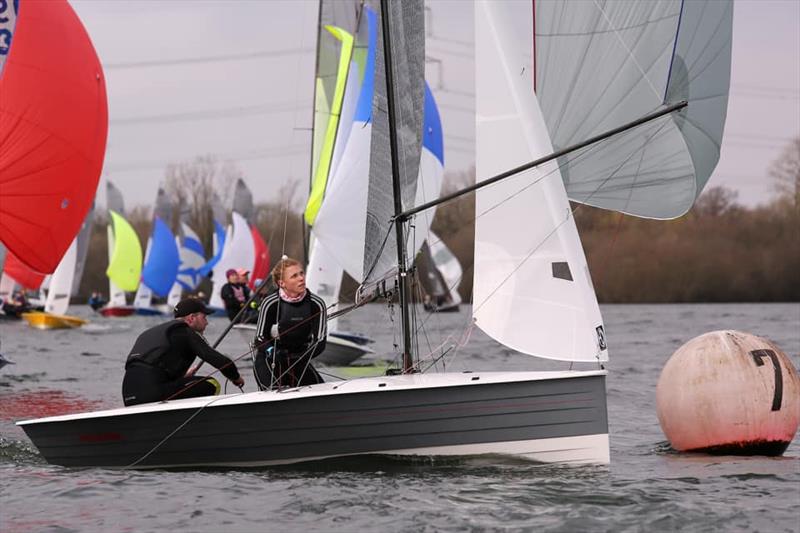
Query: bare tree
{"x": 195, "y": 186}
{"x": 785, "y": 171}
{"x": 716, "y": 201}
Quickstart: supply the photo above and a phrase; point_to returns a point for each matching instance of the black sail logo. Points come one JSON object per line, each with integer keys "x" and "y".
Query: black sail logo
{"x": 601, "y": 338}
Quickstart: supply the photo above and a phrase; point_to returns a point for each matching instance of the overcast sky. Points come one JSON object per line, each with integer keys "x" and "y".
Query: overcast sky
{"x": 234, "y": 79}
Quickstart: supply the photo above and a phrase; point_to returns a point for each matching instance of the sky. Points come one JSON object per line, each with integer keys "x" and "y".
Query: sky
{"x": 234, "y": 79}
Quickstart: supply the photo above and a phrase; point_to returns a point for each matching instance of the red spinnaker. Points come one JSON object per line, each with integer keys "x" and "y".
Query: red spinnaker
{"x": 21, "y": 273}
{"x": 53, "y": 127}
{"x": 261, "y": 265}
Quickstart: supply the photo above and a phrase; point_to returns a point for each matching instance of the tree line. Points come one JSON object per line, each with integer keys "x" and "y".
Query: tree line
{"x": 720, "y": 251}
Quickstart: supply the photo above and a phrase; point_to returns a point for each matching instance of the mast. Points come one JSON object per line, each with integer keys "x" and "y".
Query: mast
{"x": 408, "y": 362}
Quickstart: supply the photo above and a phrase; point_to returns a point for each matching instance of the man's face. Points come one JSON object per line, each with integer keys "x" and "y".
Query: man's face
{"x": 197, "y": 321}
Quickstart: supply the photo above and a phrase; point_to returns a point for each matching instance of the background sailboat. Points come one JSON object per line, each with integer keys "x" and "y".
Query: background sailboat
{"x": 162, "y": 259}
{"x": 244, "y": 246}
{"x": 124, "y": 265}
{"x": 62, "y": 285}
{"x": 192, "y": 260}
{"x": 440, "y": 275}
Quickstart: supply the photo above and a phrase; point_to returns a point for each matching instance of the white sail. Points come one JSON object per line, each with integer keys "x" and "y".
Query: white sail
{"x": 116, "y": 296}
{"x": 176, "y": 291}
{"x": 144, "y": 295}
{"x": 448, "y": 265}
{"x": 7, "y": 285}
{"x": 324, "y": 277}
{"x": 60, "y": 288}
{"x": 239, "y": 252}
{"x": 532, "y": 290}
{"x": 114, "y": 202}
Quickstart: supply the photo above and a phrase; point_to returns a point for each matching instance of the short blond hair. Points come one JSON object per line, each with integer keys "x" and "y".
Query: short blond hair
{"x": 280, "y": 268}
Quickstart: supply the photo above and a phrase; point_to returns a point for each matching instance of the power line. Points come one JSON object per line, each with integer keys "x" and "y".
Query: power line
{"x": 208, "y": 59}
{"x": 266, "y": 153}
{"x": 212, "y": 114}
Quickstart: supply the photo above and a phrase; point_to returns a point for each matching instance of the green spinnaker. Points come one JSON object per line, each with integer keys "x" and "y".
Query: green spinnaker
{"x": 326, "y": 154}
{"x": 125, "y": 266}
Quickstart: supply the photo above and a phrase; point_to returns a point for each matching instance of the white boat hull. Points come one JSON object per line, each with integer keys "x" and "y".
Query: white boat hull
{"x": 542, "y": 416}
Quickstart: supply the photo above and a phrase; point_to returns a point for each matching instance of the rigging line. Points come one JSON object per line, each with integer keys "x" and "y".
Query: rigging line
{"x": 630, "y": 53}
{"x": 207, "y": 59}
{"x": 173, "y": 432}
{"x": 570, "y": 214}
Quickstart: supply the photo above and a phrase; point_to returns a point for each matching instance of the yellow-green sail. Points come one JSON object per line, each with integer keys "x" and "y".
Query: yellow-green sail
{"x": 326, "y": 153}
{"x": 125, "y": 266}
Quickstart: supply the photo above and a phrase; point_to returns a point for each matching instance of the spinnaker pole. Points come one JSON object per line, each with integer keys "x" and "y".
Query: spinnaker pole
{"x": 405, "y": 215}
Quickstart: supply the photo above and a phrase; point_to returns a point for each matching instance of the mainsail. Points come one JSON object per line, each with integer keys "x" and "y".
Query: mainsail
{"x": 61, "y": 281}
{"x": 239, "y": 253}
{"x": 408, "y": 62}
{"x": 115, "y": 203}
{"x": 82, "y": 245}
{"x": 602, "y": 64}
{"x": 53, "y": 125}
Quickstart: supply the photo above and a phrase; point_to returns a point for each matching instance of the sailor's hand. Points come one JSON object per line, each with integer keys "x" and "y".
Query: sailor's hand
{"x": 191, "y": 372}
{"x": 239, "y": 382}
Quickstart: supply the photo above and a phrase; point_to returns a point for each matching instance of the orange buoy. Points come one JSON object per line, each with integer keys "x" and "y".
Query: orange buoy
{"x": 728, "y": 392}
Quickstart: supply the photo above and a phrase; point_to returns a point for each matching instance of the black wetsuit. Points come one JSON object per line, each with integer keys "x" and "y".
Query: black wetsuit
{"x": 232, "y": 303}
{"x": 159, "y": 360}
{"x": 286, "y": 361}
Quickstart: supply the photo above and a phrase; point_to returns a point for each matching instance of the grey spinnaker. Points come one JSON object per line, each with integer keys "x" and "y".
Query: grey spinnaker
{"x": 601, "y": 64}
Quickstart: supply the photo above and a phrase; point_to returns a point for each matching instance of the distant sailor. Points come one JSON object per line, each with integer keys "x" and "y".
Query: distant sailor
{"x": 158, "y": 367}
{"x": 291, "y": 331}
{"x": 235, "y": 292}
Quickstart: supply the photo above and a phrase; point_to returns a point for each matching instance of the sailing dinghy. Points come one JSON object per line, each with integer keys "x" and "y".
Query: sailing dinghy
{"x": 63, "y": 285}
{"x": 124, "y": 257}
{"x": 533, "y": 291}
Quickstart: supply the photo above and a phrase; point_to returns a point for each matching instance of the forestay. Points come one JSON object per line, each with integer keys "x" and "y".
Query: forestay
{"x": 601, "y": 64}
{"x": 532, "y": 290}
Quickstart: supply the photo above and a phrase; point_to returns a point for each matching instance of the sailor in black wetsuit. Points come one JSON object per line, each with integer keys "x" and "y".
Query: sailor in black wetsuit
{"x": 158, "y": 367}
{"x": 291, "y": 331}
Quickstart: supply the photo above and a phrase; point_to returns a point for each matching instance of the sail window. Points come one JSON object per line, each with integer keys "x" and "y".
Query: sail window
{"x": 561, "y": 271}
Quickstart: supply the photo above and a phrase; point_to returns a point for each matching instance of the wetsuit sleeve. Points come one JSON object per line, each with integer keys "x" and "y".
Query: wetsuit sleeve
{"x": 226, "y": 293}
{"x": 266, "y": 319}
{"x": 319, "y": 326}
{"x": 201, "y": 349}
